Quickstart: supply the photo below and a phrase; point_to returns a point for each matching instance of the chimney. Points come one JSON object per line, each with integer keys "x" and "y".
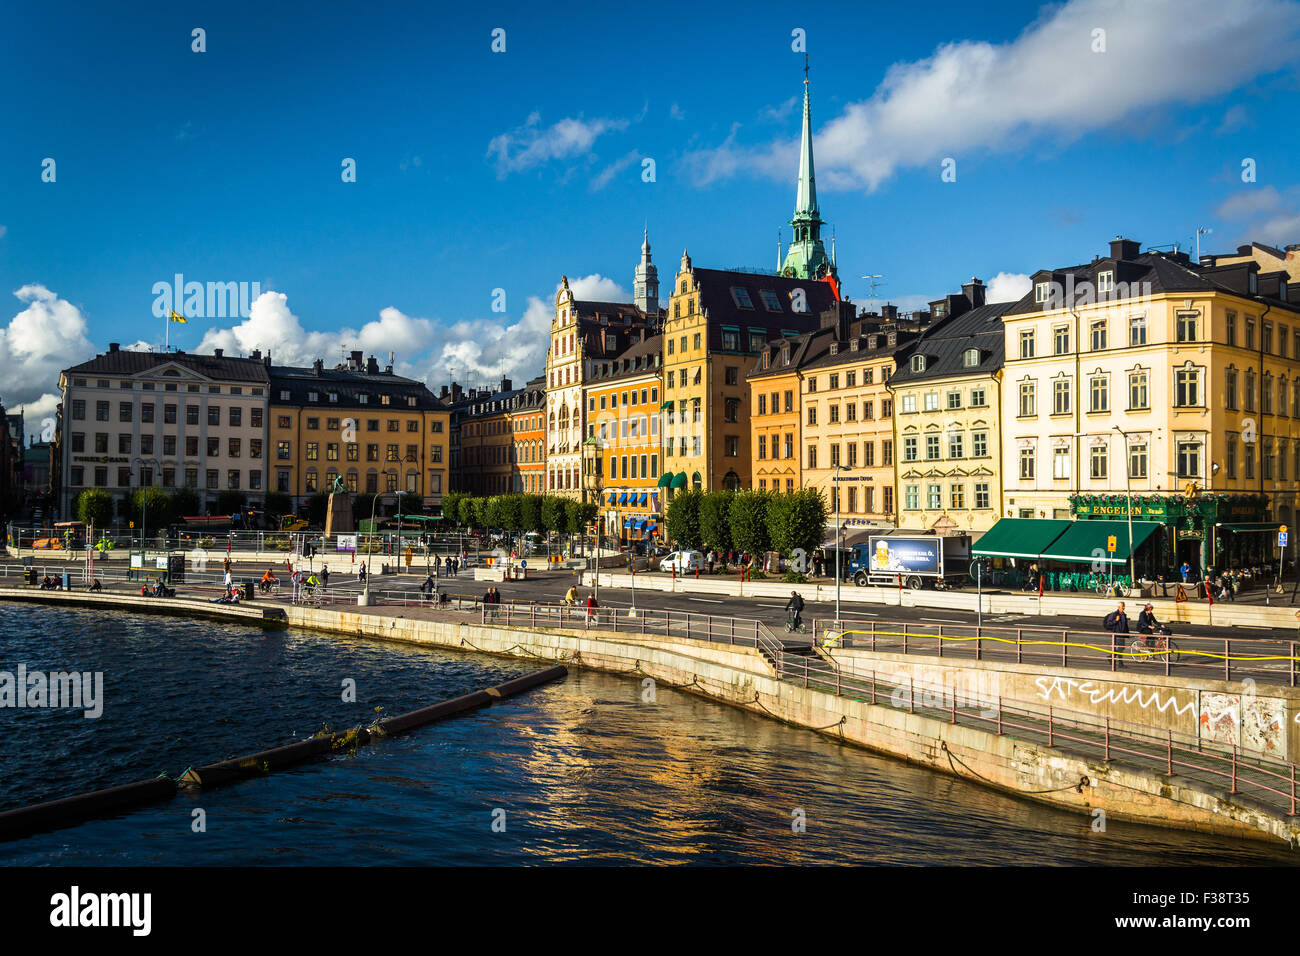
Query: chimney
{"x": 506, "y": 385}
{"x": 318, "y": 366}
{"x": 1121, "y": 248}
{"x": 889, "y": 312}
{"x": 354, "y": 361}
{"x": 974, "y": 292}
{"x": 372, "y": 366}
{"x": 216, "y": 353}
{"x": 114, "y": 346}
{"x": 445, "y": 392}
{"x": 257, "y": 355}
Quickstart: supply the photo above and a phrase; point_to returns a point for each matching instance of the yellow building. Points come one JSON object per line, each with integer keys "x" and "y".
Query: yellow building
{"x": 378, "y": 431}
{"x": 774, "y": 434}
{"x": 623, "y": 421}
{"x": 947, "y": 419}
{"x": 1148, "y": 374}
{"x": 717, "y": 324}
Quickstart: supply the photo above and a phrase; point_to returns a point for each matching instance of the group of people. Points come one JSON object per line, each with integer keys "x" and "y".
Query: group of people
{"x": 228, "y": 595}
{"x": 157, "y": 589}
{"x": 573, "y": 599}
{"x": 451, "y": 566}
{"x": 1117, "y": 621}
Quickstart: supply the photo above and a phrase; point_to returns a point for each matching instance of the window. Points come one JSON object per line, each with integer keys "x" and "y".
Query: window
{"x": 931, "y": 447}
{"x": 1266, "y": 395}
{"x": 1061, "y": 396}
{"x": 762, "y": 447}
{"x": 762, "y": 402}
{"x": 977, "y": 397}
{"x": 931, "y": 401}
{"x": 835, "y": 455}
{"x": 834, "y": 380}
{"x": 1106, "y": 281}
{"x": 869, "y": 454}
{"x": 956, "y": 445}
{"x": 234, "y": 448}
{"x": 124, "y": 444}
{"x": 732, "y": 410}
{"x": 1097, "y": 334}
{"x": 909, "y": 403}
{"x": 912, "y": 497}
{"x": 909, "y": 448}
{"x": 957, "y": 495}
{"x": 1185, "y": 328}
{"x": 789, "y": 401}
{"x": 1248, "y": 460}
{"x": 731, "y": 376}
{"x": 934, "y": 497}
{"x": 732, "y": 444}
{"x": 981, "y": 495}
{"x": 741, "y": 298}
{"x": 1138, "y": 397}
{"x": 789, "y": 445}
{"x": 812, "y": 454}
{"x": 812, "y": 414}
{"x": 1040, "y": 291}
{"x": 850, "y": 379}
{"x": 1266, "y": 458}
{"x": 1266, "y": 337}
{"x": 918, "y": 363}
{"x": 1230, "y": 327}
{"x": 971, "y": 358}
{"x": 834, "y": 413}
{"x": 1026, "y": 463}
{"x": 1230, "y": 455}
{"x": 313, "y": 450}
{"x": 1248, "y": 395}
{"x": 954, "y": 400}
{"x": 1098, "y": 461}
{"x": 1187, "y": 387}
{"x": 236, "y": 416}
{"x": 1189, "y": 458}
{"x": 1060, "y": 462}
{"x": 1099, "y": 394}
{"x": 1137, "y": 460}
{"x": 1028, "y": 402}
{"x": 1250, "y": 331}
{"x": 887, "y": 452}
{"x": 731, "y": 340}
{"x": 101, "y": 411}
{"x": 979, "y": 444}
{"x": 851, "y": 411}
{"x": 1060, "y": 339}
{"x": 1137, "y": 330}
{"x": 1027, "y": 344}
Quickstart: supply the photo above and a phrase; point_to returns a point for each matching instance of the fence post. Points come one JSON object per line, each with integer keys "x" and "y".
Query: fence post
{"x": 1049, "y": 725}
{"x": 873, "y": 700}
{"x": 1227, "y": 660}
{"x": 1107, "y": 756}
{"x": 941, "y": 640}
{"x": 534, "y": 619}
{"x": 904, "y": 637}
{"x": 954, "y": 702}
{"x": 805, "y": 672}
{"x": 1018, "y": 654}
{"x": 1234, "y": 769}
{"x": 979, "y": 650}
{"x": 1293, "y": 669}
{"x": 732, "y": 638}
{"x": 1292, "y": 789}
{"x": 756, "y": 633}
{"x": 1065, "y": 648}
{"x": 837, "y": 682}
{"x": 873, "y": 635}
{"x": 911, "y": 688}
{"x": 1170, "y": 752}
{"x": 999, "y": 715}
{"x": 1114, "y": 647}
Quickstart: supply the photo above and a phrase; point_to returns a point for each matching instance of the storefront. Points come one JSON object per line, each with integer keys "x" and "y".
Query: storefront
{"x": 1204, "y": 531}
{"x": 632, "y": 514}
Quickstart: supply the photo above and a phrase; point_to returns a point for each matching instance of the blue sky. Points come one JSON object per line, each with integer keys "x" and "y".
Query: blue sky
{"x": 479, "y": 170}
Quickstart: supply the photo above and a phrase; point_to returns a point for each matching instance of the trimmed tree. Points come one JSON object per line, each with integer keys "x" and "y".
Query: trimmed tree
{"x": 715, "y": 526}
{"x": 682, "y": 519}
{"x": 94, "y": 506}
{"x": 185, "y": 501}
{"x": 467, "y": 511}
{"x": 530, "y": 514}
{"x": 748, "y": 518}
{"x": 797, "y": 520}
{"x": 451, "y": 506}
{"x": 553, "y": 513}
{"x": 157, "y": 507}
{"x": 230, "y": 501}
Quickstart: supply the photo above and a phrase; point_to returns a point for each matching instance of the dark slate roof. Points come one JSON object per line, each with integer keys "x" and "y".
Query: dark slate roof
{"x": 717, "y": 300}
{"x": 349, "y": 385}
{"x": 944, "y": 345}
{"x": 641, "y": 358}
{"x": 812, "y": 350}
{"x": 1165, "y": 273}
{"x": 531, "y": 397}
{"x": 219, "y": 367}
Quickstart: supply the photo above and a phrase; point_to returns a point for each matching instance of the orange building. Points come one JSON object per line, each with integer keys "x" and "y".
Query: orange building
{"x": 527, "y": 413}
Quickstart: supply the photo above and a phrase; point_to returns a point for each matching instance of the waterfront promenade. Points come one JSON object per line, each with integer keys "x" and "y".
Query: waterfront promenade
{"x": 984, "y": 720}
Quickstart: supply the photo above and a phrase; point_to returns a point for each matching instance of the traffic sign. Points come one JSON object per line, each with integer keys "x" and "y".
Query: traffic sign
{"x": 1281, "y": 539}
{"x": 1110, "y": 544}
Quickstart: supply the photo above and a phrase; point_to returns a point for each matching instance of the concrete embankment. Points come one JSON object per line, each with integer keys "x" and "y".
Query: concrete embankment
{"x": 1237, "y": 614}
{"x": 1059, "y": 775}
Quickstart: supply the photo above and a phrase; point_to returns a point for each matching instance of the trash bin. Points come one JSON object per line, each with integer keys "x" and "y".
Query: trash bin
{"x": 67, "y": 581}
{"x": 33, "y": 576}
{"x": 248, "y": 589}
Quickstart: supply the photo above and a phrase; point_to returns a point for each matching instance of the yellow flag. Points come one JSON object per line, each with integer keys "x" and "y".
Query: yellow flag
{"x": 174, "y": 317}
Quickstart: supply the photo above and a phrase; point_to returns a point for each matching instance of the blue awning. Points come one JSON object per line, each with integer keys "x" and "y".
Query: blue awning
{"x": 645, "y": 498}
{"x": 612, "y": 497}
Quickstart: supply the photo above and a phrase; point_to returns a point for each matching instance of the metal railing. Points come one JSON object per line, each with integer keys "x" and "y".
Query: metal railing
{"x": 1211, "y": 658}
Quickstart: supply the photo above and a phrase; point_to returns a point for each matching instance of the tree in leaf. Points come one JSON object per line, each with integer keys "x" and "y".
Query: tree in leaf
{"x": 316, "y": 506}
{"x": 185, "y": 502}
{"x": 94, "y": 506}
{"x": 682, "y": 519}
{"x": 157, "y": 507}
{"x": 451, "y": 507}
{"x": 530, "y": 514}
{"x": 748, "y": 518}
{"x": 715, "y": 525}
{"x": 553, "y": 514}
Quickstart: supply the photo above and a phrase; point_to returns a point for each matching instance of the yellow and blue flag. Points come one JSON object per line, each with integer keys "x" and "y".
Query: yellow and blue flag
{"x": 175, "y": 317}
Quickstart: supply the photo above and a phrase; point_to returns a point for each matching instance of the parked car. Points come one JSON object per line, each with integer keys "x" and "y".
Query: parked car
{"x": 683, "y": 562}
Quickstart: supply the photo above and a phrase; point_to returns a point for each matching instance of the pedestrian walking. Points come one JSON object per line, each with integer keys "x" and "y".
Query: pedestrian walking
{"x": 361, "y": 573}
{"x": 1185, "y": 571}
{"x": 324, "y": 575}
{"x": 591, "y": 608}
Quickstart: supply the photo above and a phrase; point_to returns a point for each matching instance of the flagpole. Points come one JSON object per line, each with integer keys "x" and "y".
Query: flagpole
{"x": 167, "y": 332}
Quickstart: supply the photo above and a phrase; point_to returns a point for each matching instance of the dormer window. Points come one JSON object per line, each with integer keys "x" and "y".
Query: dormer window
{"x": 873, "y": 341}
{"x": 770, "y": 300}
{"x": 971, "y": 358}
{"x": 1040, "y": 291}
{"x": 741, "y": 298}
{"x": 1106, "y": 281}
{"x": 918, "y": 363}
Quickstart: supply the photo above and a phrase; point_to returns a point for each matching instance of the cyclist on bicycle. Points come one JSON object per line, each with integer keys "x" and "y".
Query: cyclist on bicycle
{"x": 571, "y": 595}
{"x": 1147, "y": 623}
{"x": 795, "y": 608}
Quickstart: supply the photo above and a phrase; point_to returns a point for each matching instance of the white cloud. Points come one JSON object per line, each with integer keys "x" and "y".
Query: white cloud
{"x": 1007, "y": 287}
{"x": 533, "y": 145}
{"x": 1263, "y": 214}
{"x": 676, "y": 113}
{"x": 973, "y": 96}
{"x": 47, "y": 336}
{"x": 606, "y": 175}
{"x": 3, "y": 230}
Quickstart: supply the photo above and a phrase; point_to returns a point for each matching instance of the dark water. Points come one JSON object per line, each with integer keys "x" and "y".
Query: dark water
{"x": 579, "y": 771}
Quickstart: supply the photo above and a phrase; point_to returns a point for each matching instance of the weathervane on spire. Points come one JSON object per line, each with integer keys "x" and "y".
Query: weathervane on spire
{"x": 805, "y": 69}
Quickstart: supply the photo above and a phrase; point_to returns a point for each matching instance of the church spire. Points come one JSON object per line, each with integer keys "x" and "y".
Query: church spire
{"x": 806, "y": 257}
{"x": 646, "y": 284}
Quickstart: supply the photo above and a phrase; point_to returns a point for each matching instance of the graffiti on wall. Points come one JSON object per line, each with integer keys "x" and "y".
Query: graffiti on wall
{"x": 1262, "y": 720}
{"x": 1220, "y": 718}
{"x": 1063, "y": 688}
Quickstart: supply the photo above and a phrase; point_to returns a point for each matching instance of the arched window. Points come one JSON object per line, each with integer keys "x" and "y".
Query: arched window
{"x": 697, "y": 483}
{"x": 918, "y": 363}
{"x": 731, "y": 482}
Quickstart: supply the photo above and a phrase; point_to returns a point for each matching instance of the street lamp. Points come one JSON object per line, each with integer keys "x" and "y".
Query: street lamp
{"x": 836, "y": 489}
{"x": 1128, "y": 492}
{"x": 594, "y": 458}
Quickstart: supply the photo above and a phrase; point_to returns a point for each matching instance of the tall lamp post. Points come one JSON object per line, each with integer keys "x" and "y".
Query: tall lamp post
{"x": 1128, "y": 492}
{"x": 593, "y": 459}
{"x": 836, "y": 489}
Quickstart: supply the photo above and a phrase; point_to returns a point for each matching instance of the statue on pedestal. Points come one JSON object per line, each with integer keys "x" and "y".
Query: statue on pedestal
{"x": 338, "y": 513}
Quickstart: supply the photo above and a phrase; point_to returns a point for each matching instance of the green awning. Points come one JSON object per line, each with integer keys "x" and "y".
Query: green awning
{"x": 1087, "y": 541}
{"x": 679, "y": 480}
{"x": 1248, "y": 526}
{"x": 665, "y": 479}
{"x": 1019, "y": 537}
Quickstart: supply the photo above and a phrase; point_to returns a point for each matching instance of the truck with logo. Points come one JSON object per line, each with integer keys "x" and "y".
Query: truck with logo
{"x": 911, "y": 561}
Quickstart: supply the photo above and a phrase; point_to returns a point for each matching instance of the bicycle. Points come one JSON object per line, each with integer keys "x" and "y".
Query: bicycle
{"x": 1165, "y": 648}
{"x": 791, "y": 627}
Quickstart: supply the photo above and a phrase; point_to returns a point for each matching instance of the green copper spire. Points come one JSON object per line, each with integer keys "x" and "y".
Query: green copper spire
{"x": 806, "y": 257}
